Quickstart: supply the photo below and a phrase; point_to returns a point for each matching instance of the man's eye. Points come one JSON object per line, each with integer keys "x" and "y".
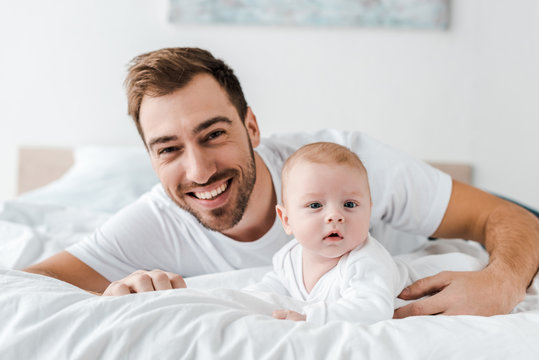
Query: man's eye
{"x": 215, "y": 134}
{"x": 167, "y": 150}
{"x": 315, "y": 205}
{"x": 350, "y": 204}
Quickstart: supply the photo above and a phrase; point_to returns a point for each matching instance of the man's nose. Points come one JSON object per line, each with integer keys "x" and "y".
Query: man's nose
{"x": 199, "y": 166}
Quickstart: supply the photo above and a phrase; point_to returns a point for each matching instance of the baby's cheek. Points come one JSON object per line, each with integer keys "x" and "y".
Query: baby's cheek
{"x": 307, "y": 233}
{"x": 361, "y": 238}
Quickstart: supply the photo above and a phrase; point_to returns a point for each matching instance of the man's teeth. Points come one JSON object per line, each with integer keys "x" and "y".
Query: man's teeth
{"x": 206, "y": 195}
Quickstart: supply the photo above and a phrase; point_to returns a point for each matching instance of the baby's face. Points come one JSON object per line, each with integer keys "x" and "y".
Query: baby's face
{"x": 327, "y": 207}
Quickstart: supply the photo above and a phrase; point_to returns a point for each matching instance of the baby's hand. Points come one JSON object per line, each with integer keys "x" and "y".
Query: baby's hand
{"x": 288, "y": 315}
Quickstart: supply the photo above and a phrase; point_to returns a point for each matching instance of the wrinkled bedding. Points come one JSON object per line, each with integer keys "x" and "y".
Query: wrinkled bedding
{"x": 45, "y": 318}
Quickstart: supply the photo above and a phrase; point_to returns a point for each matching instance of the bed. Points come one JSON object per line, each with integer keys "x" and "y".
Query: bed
{"x": 46, "y": 318}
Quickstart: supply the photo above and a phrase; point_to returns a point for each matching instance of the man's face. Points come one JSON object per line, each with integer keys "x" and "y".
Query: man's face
{"x": 202, "y": 151}
{"x": 327, "y": 207}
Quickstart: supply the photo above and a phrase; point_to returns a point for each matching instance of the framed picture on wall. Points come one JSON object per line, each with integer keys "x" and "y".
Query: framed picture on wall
{"x": 418, "y": 14}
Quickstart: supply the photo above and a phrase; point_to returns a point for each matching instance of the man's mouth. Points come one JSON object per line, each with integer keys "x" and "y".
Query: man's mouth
{"x": 210, "y": 195}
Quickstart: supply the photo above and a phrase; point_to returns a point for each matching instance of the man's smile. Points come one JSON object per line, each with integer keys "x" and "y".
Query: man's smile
{"x": 210, "y": 194}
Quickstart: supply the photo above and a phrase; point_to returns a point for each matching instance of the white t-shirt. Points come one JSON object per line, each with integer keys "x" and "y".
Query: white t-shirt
{"x": 154, "y": 233}
{"x": 361, "y": 288}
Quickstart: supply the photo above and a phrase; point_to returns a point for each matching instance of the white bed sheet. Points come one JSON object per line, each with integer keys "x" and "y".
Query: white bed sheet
{"x": 45, "y": 318}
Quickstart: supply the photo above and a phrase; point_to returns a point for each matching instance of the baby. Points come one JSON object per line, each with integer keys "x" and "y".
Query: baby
{"x": 333, "y": 264}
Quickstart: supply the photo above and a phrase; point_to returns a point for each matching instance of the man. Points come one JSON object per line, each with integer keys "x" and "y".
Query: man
{"x": 214, "y": 209}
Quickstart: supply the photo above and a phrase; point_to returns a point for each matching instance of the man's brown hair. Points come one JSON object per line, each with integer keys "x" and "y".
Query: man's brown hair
{"x": 163, "y": 71}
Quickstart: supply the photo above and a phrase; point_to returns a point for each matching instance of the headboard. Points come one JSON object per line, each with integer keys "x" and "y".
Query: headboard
{"x": 40, "y": 166}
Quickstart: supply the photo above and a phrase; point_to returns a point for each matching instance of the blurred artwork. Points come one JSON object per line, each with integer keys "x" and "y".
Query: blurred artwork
{"x": 420, "y": 14}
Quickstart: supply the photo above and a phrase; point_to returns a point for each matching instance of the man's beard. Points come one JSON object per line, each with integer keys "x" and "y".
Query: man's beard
{"x": 226, "y": 217}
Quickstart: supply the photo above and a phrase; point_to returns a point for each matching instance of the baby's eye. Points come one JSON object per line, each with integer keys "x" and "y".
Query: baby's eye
{"x": 350, "y": 204}
{"x": 315, "y": 205}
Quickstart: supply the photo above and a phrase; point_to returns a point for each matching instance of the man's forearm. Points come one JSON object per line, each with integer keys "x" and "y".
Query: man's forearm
{"x": 65, "y": 267}
{"x": 511, "y": 237}
{"x": 38, "y": 271}
{"x": 509, "y": 232}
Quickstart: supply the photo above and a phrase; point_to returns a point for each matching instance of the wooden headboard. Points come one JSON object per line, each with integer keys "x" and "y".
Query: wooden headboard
{"x": 40, "y": 166}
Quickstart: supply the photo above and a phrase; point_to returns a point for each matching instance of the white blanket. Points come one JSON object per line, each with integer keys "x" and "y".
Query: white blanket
{"x": 43, "y": 318}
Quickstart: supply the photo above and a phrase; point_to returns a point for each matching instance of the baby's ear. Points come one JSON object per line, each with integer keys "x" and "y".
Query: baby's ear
{"x": 281, "y": 212}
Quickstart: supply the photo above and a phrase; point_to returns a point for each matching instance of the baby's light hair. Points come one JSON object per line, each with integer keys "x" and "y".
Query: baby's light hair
{"x": 322, "y": 153}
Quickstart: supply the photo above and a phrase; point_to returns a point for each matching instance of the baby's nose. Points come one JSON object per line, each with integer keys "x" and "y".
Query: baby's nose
{"x": 335, "y": 217}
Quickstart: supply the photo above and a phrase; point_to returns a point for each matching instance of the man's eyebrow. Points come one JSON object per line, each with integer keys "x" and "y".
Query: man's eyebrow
{"x": 206, "y": 124}
{"x": 200, "y": 127}
{"x": 161, "y": 140}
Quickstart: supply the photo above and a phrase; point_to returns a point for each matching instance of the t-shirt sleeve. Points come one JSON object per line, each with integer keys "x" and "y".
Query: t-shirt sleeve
{"x": 281, "y": 277}
{"x": 269, "y": 283}
{"x": 124, "y": 243}
{"x": 407, "y": 193}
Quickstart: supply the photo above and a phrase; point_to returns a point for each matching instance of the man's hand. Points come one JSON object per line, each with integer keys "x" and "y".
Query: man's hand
{"x": 288, "y": 315}
{"x": 510, "y": 235}
{"x": 461, "y": 293}
{"x": 142, "y": 281}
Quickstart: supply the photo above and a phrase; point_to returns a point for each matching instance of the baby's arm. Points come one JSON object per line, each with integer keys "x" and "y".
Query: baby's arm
{"x": 269, "y": 283}
{"x": 272, "y": 282}
{"x": 371, "y": 282}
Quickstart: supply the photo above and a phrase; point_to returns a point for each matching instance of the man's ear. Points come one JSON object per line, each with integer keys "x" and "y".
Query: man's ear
{"x": 252, "y": 127}
{"x": 281, "y": 212}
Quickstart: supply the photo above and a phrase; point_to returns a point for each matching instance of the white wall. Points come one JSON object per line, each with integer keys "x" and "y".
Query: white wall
{"x": 466, "y": 94}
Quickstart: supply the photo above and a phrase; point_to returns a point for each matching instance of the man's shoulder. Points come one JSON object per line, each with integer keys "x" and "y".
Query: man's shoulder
{"x": 152, "y": 199}
{"x": 158, "y": 196}
{"x": 297, "y": 139}
{"x": 154, "y": 216}
{"x": 152, "y": 206}
{"x": 284, "y": 144}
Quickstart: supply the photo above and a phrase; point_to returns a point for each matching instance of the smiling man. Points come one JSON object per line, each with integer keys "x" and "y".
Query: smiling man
{"x": 203, "y": 152}
{"x": 214, "y": 209}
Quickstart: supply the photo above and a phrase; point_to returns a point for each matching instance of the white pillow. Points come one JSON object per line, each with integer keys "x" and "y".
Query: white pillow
{"x": 103, "y": 178}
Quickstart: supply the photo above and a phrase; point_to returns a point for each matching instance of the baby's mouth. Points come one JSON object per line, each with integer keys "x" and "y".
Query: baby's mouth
{"x": 333, "y": 235}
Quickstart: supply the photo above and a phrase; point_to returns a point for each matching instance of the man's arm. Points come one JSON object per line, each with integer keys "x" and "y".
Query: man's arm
{"x": 511, "y": 236}
{"x": 66, "y": 267}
